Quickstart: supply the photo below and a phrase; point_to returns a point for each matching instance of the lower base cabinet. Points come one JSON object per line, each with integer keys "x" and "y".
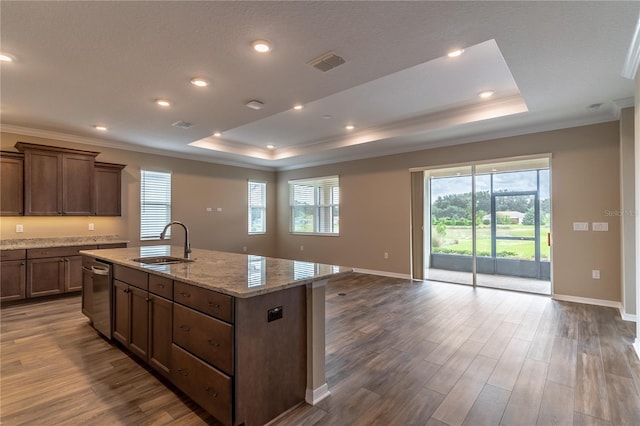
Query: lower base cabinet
{"x": 12, "y": 286}
{"x": 207, "y": 386}
{"x": 160, "y": 323}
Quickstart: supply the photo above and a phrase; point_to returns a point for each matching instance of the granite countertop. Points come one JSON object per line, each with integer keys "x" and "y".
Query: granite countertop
{"x": 237, "y": 275}
{"x": 29, "y": 243}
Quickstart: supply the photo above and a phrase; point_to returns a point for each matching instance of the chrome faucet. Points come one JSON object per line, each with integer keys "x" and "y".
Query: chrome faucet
{"x": 187, "y": 244}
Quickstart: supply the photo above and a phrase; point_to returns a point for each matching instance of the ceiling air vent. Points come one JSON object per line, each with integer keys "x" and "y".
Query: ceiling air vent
{"x": 326, "y": 62}
{"x": 182, "y": 124}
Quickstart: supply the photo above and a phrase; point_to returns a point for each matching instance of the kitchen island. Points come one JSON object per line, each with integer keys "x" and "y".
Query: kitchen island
{"x": 242, "y": 335}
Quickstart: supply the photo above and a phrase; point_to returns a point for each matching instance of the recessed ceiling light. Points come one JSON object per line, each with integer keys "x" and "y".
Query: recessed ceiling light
{"x": 217, "y": 134}
{"x": 254, "y": 104}
{"x": 199, "y": 82}
{"x": 100, "y": 127}
{"x": 5, "y": 57}
{"x": 298, "y": 107}
{"x": 163, "y": 102}
{"x": 270, "y": 146}
{"x": 455, "y": 53}
{"x": 486, "y": 94}
{"x": 349, "y": 127}
{"x": 595, "y": 107}
{"x": 326, "y": 117}
{"x": 261, "y": 46}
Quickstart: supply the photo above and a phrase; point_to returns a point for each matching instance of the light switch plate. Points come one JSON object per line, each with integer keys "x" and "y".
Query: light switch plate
{"x": 19, "y": 228}
{"x": 600, "y": 226}
{"x": 580, "y": 226}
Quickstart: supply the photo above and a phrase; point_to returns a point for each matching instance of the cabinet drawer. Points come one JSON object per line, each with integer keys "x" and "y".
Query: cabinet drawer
{"x": 131, "y": 276}
{"x": 40, "y": 253}
{"x": 161, "y": 286}
{"x": 12, "y": 254}
{"x": 210, "y": 302}
{"x": 210, "y": 388}
{"x": 207, "y": 337}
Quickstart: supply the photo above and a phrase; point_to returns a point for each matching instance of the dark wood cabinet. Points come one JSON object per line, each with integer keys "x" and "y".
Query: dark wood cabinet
{"x": 11, "y": 184}
{"x": 121, "y": 313}
{"x": 45, "y": 276}
{"x": 108, "y": 192}
{"x": 58, "y": 181}
{"x": 54, "y": 270}
{"x": 139, "y": 340}
{"x": 78, "y": 184}
{"x": 13, "y": 275}
{"x": 160, "y": 333}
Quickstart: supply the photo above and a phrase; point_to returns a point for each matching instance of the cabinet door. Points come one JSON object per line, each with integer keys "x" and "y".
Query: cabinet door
{"x": 87, "y": 293}
{"x": 160, "y": 325}
{"x": 43, "y": 183}
{"x": 45, "y": 276}
{"x": 139, "y": 338}
{"x": 12, "y": 280}
{"x": 121, "y": 312}
{"x": 73, "y": 273}
{"x": 11, "y": 185}
{"x": 108, "y": 190}
{"x": 77, "y": 188}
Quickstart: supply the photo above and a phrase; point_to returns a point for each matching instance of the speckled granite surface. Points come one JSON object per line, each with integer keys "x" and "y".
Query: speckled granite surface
{"x": 237, "y": 275}
{"x": 28, "y": 243}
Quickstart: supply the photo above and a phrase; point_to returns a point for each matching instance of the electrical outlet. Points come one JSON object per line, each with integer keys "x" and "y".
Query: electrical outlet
{"x": 219, "y": 209}
{"x": 580, "y": 226}
{"x": 600, "y": 226}
{"x": 595, "y": 274}
{"x": 244, "y": 249}
{"x": 301, "y": 248}
{"x": 209, "y": 209}
{"x": 19, "y": 228}
{"x": 91, "y": 227}
{"x": 386, "y": 255}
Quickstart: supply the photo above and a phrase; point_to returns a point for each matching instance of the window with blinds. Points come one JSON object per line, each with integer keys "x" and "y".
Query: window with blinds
{"x": 315, "y": 205}
{"x": 257, "y": 193}
{"x": 155, "y": 204}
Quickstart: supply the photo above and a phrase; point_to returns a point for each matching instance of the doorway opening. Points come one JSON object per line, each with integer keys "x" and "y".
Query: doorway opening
{"x": 489, "y": 225}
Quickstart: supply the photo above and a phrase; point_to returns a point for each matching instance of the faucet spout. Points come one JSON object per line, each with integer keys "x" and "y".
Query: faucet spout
{"x": 187, "y": 243}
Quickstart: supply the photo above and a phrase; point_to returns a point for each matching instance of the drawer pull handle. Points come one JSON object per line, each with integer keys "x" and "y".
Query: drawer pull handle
{"x": 183, "y": 372}
{"x": 213, "y": 343}
{"x": 211, "y": 392}
{"x": 185, "y": 328}
{"x": 185, "y": 294}
{"x": 214, "y": 305}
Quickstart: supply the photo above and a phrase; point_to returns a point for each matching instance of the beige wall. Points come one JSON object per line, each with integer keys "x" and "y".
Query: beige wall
{"x": 195, "y": 186}
{"x": 375, "y": 206}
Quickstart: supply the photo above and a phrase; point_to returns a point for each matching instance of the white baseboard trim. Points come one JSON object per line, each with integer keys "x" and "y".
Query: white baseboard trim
{"x": 382, "y": 273}
{"x": 313, "y": 396}
{"x": 588, "y": 301}
{"x": 628, "y": 317}
{"x": 636, "y": 346}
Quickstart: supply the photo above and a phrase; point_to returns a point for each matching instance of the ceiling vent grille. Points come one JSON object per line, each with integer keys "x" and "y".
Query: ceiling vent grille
{"x": 182, "y": 124}
{"x": 326, "y": 62}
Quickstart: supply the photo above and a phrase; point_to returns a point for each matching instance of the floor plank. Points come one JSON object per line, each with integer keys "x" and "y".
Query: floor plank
{"x": 399, "y": 352}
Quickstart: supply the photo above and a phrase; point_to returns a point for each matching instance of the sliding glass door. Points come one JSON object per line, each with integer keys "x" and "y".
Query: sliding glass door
{"x": 489, "y": 225}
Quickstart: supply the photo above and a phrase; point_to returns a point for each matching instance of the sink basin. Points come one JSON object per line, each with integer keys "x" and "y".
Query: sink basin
{"x": 161, "y": 260}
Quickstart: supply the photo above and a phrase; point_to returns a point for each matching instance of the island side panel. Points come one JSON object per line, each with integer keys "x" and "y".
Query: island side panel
{"x": 271, "y": 359}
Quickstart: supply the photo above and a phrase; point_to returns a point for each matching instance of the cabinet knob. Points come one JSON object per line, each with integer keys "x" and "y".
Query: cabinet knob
{"x": 161, "y": 285}
{"x": 148, "y": 299}
{"x": 185, "y": 294}
{"x": 214, "y": 305}
{"x": 183, "y": 372}
{"x": 185, "y": 328}
{"x": 213, "y": 343}
{"x": 126, "y": 290}
{"x": 211, "y": 392}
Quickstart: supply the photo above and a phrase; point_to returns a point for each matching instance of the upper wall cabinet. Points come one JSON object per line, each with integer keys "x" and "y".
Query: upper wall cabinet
{"x": 51, "y": 181}
{"x": 11, "y": 184}
{"x": 107, "y": 189}
{"x": 58, "y": 181}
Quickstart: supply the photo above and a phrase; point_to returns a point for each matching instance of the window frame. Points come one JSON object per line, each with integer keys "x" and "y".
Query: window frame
{"x": 263, "y": 207}
{"x": 322, "y": 208}
{"x": 144, "y": 190}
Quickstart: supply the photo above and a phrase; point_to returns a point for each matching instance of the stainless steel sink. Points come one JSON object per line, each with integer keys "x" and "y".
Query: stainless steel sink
{"x": 161, "y": 260}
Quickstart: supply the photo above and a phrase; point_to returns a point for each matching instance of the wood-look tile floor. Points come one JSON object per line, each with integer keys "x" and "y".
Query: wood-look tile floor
{"x": 398, "y": 353}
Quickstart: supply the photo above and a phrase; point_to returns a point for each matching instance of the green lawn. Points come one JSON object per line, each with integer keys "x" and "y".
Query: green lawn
{"x": 458, "y": 241}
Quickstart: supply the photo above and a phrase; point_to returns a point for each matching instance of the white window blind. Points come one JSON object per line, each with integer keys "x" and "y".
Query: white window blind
{"x": 315, "y": 205}
{"x": 257, "y": 193}
{"x": 155, "y": 204}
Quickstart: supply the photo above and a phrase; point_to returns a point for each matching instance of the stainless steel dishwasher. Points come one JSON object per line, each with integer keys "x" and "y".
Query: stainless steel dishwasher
{"x": 100, "y": 296}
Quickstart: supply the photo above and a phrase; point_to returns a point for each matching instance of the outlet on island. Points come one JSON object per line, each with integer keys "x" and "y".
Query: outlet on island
{"x": 274, "y": 314}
